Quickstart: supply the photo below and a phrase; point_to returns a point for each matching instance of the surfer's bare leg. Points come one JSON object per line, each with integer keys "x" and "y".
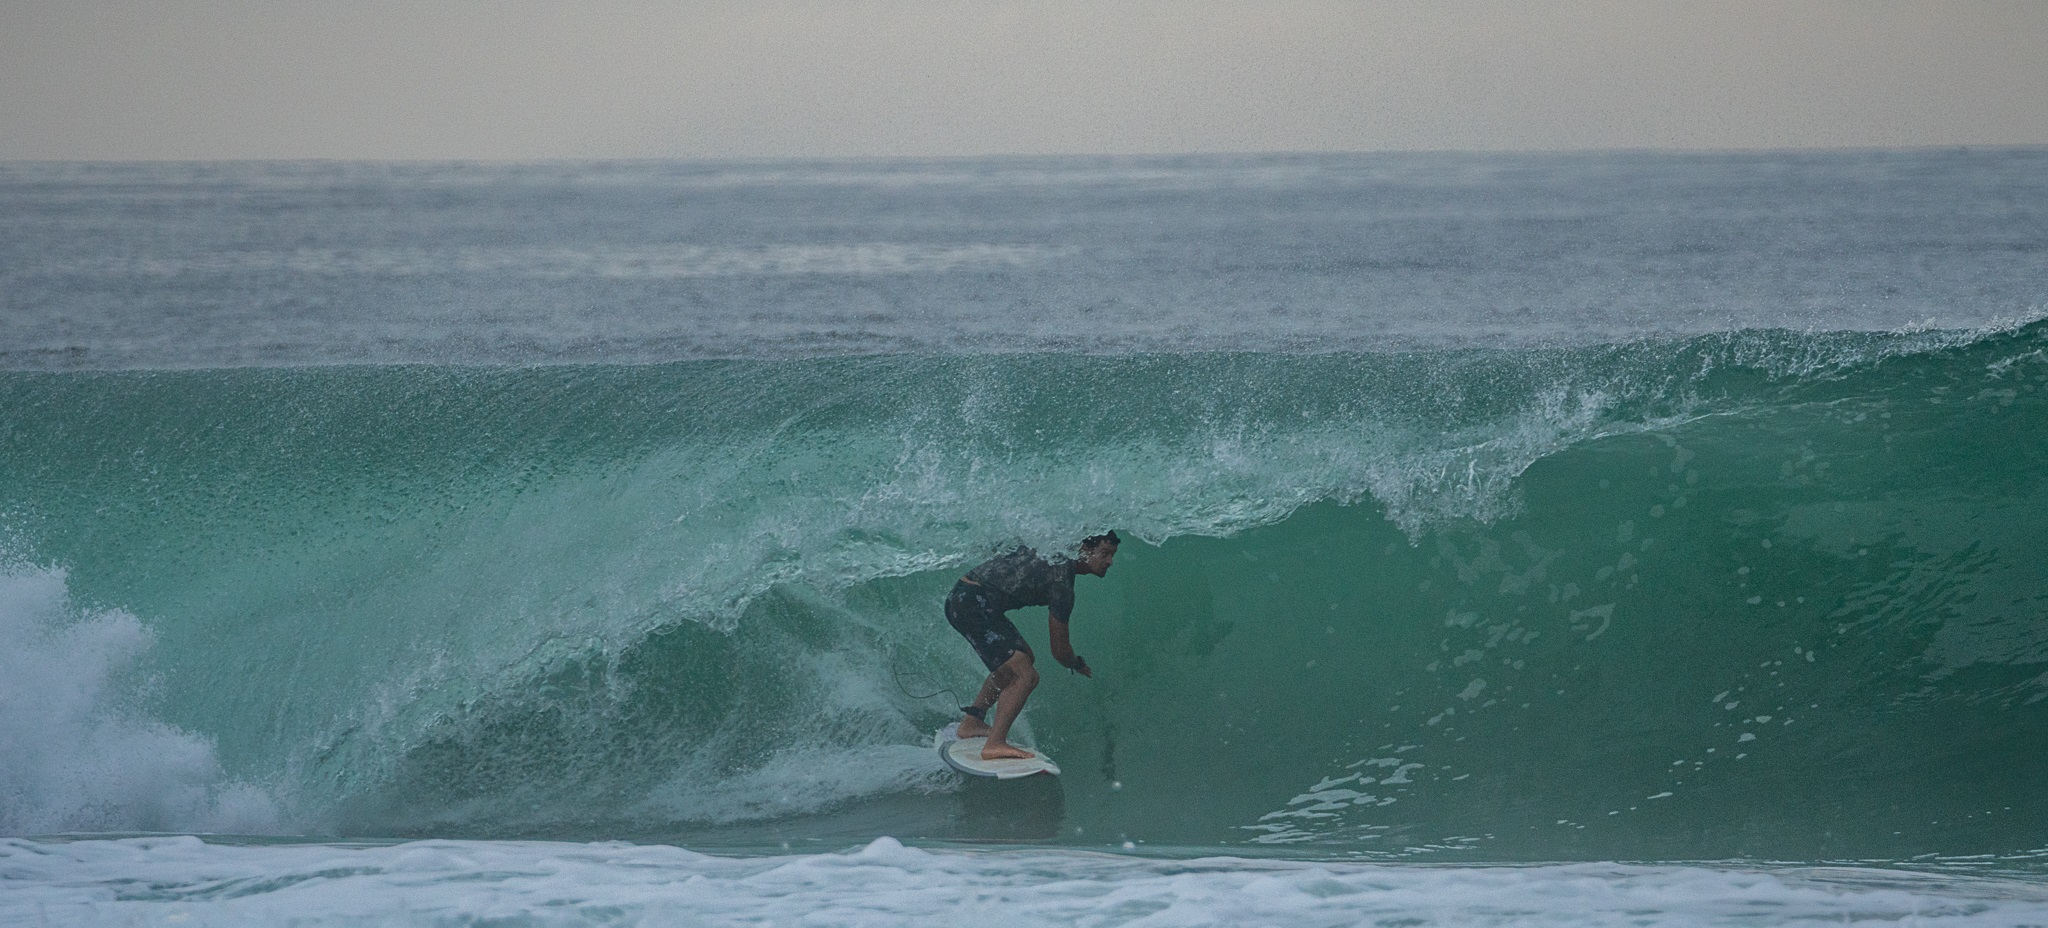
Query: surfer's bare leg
{"x": 971, "y": 727}
{"x": 1019, "y": 677}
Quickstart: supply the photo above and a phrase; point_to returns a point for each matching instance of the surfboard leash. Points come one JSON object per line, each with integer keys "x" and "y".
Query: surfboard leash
{"x": 896, "y": 671}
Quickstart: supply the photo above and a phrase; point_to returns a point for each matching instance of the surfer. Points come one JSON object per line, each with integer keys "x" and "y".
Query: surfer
{"x": 975, "y": 609}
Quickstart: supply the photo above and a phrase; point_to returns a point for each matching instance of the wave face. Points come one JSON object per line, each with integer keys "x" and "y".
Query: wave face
{"x": 1757, "y": 594}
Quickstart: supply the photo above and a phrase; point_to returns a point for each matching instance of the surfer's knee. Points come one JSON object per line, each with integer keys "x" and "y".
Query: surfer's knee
{"x": 1018, "y": 671}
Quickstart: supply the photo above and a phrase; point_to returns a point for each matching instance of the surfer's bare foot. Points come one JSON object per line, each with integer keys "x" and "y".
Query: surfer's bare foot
{"x": 971, "y": 727}
{"x": 999, "y": 751}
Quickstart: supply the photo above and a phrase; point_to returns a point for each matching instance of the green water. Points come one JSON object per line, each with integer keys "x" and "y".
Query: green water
{"x": 1763, "y": 594}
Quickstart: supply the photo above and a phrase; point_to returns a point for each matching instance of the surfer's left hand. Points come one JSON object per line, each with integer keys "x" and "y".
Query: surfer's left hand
{"x": 1080, "y": 666}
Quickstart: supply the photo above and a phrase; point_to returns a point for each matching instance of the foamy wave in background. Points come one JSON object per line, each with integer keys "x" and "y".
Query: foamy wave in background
{"x": 77, "y": 751}
{"x": 156, "y": 266}
{"x": 639, "y": 262}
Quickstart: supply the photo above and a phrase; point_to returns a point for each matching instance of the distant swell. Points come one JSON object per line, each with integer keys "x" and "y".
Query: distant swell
{"x": 1762, "y": 594}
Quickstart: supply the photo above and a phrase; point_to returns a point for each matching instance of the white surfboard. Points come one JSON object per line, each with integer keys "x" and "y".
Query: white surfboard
{"x": 964, "y": 755}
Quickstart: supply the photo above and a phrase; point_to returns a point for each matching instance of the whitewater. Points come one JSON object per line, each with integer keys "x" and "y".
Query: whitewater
{"x": 1510, "y": 539}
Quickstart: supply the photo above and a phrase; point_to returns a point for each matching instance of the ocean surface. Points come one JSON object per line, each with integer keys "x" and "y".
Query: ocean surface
{"x": 1576, "y": 539}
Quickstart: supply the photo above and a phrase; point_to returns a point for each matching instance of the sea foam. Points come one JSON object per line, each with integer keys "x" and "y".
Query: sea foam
{"x": 76, "y": 751}
{"x": 888, "y": 884}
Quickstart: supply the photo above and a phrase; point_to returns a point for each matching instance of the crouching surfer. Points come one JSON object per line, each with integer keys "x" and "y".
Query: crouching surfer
{"x": 975, "y": 609}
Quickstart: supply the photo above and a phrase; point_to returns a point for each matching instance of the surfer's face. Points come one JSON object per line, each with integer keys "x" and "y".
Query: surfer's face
{"x": 1096, "y": 560}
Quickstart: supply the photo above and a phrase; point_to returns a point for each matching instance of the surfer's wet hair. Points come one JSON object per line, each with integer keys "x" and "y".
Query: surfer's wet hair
{"x": 1096, "y": 541}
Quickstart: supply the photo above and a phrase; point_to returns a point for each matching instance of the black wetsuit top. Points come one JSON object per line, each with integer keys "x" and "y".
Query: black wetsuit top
{"x": 1013, "y": 581}
{"x": 1022, "y": 578}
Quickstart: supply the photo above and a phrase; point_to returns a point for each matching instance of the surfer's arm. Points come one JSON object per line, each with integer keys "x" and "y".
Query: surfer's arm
{"x": 1063, "y": 650}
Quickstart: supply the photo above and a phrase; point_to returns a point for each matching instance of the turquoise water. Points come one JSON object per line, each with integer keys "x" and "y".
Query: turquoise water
{"x": 1510, "y": 539}
{"x": 1764, "y": 594}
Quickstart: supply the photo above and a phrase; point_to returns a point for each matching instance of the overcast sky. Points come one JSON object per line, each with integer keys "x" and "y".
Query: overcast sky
{"x": 621, "y": 78}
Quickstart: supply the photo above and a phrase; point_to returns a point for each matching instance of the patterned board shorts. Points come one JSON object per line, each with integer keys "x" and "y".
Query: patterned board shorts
{"x": 972, "y": 613}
